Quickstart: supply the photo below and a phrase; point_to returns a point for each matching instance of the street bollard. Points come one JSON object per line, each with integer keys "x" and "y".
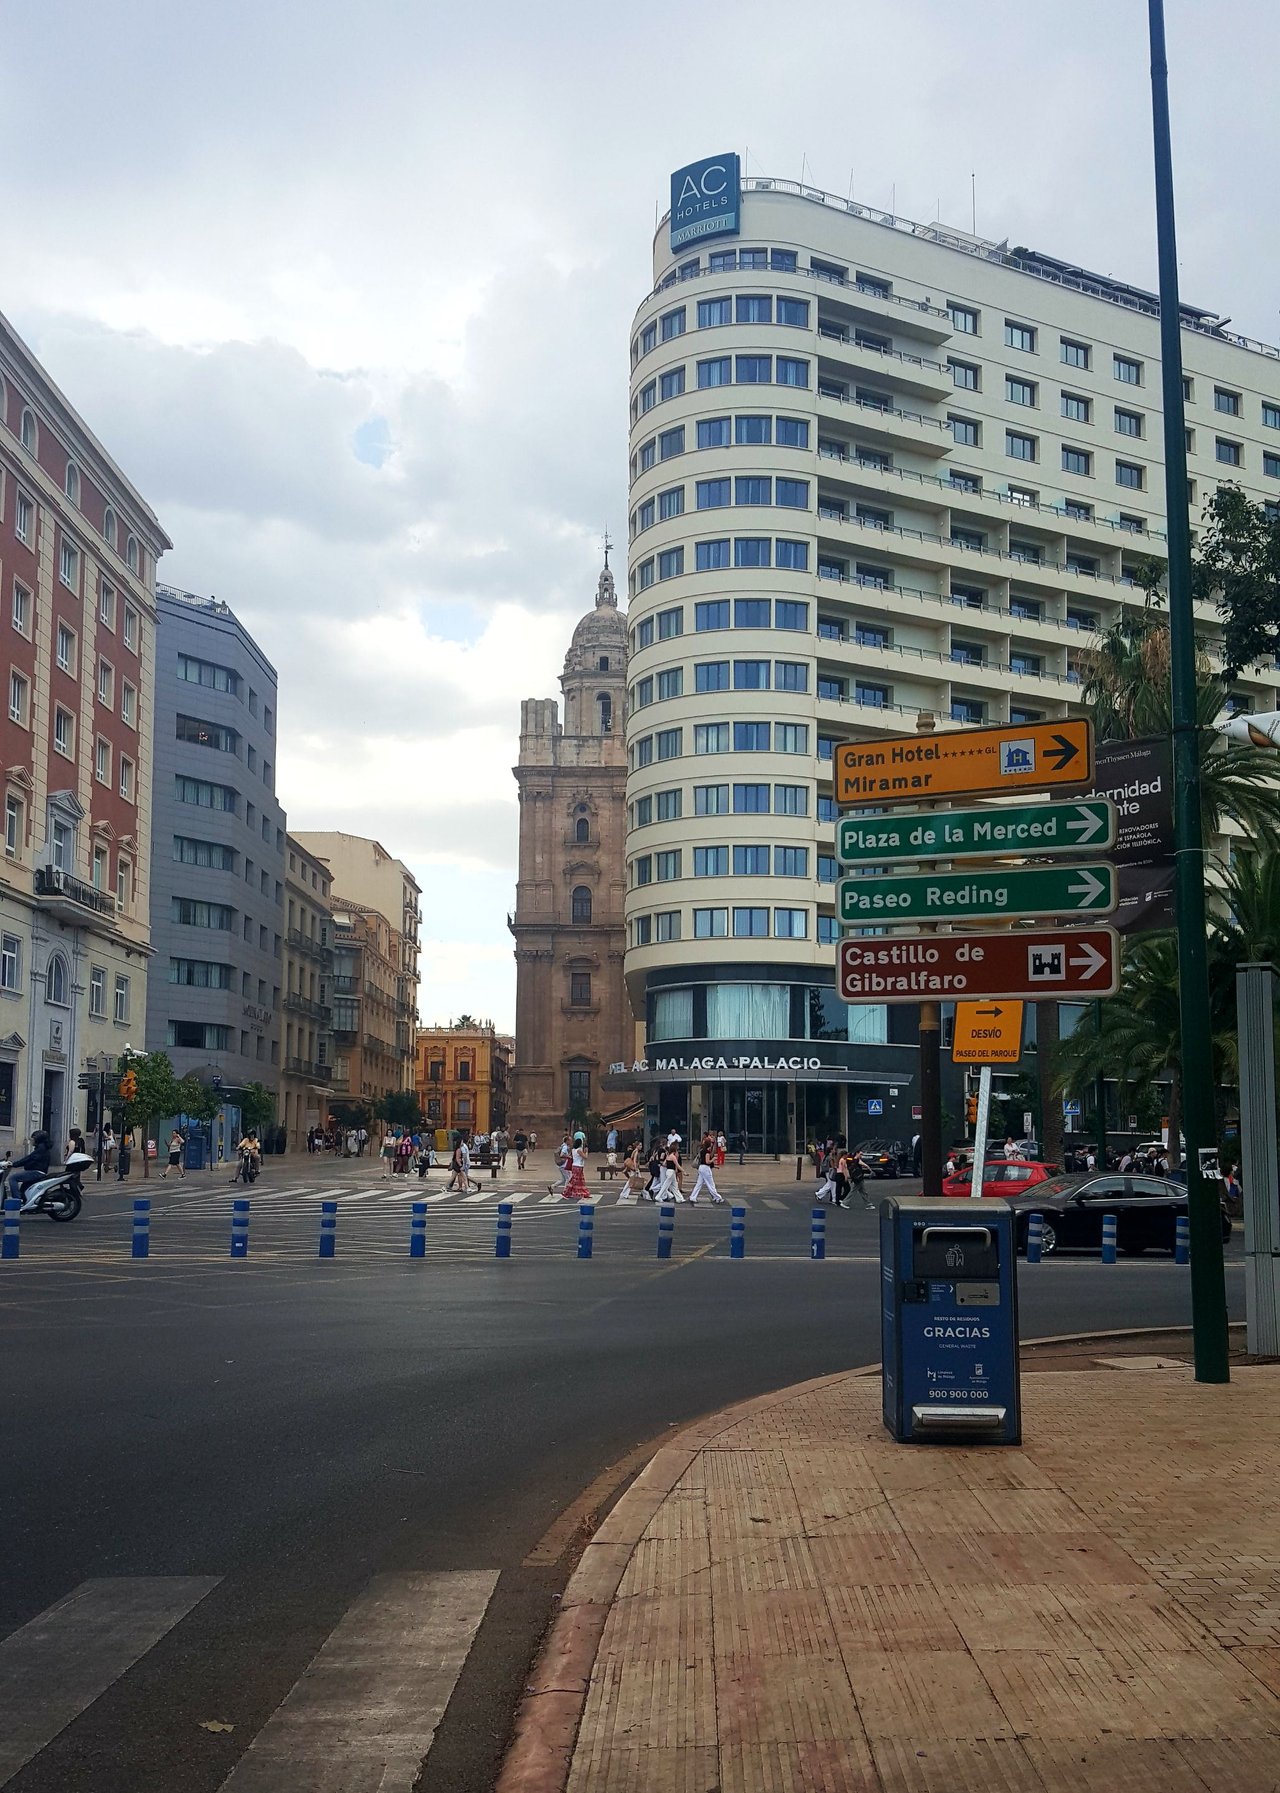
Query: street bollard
{"x": 418, "y": 1231}
{"x": 1108, "y": 1238}
{"x": 9, "y": 1246}
{"x": 818, "y": 1235}
{"x": 666, "y": 1228}
{"x": 502, "y": 1244}
{"x": 1182, "y": 1239}
{"x": 799, "y": 1162}
{"x": 328, "y": 1228}
{"x": 142, "y": 1228}
{"x": 586, "y": 1228}
{"x": 1035, "y": 1238}
{"x": 240, "y": 1227}
{"x": 737, "y": 1232}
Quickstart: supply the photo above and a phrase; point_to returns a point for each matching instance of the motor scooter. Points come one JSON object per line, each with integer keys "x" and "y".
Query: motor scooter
{"x": 59, "y": 1193}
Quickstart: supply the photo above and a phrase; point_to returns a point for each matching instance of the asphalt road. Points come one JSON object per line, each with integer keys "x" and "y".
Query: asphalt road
{"x": 293, "y": 1427}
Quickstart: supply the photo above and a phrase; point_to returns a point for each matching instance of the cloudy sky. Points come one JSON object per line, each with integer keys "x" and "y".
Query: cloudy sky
{"x": 346, "y": 291}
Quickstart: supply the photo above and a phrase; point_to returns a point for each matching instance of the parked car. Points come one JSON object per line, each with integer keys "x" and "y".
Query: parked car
{"x": 1001, "y": 1177}
{"x": 884, "y": 1158}
{"x": 1146, "y": 1210}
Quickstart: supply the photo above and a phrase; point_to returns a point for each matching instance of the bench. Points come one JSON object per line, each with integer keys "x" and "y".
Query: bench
{"x": 610, "y": 1170}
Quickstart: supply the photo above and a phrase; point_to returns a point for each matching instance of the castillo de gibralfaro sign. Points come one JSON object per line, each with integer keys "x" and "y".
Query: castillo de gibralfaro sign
{"x": 706, "y": 200}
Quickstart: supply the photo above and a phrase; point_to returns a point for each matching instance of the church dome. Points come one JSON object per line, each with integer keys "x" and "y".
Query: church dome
{"x": 601, "y": 632}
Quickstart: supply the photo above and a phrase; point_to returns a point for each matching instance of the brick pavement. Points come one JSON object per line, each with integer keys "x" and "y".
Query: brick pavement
{"x": 786, "y": 1601}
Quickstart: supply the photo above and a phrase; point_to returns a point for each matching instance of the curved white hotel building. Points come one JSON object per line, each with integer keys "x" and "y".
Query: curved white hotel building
{"x": 878, "y": 471}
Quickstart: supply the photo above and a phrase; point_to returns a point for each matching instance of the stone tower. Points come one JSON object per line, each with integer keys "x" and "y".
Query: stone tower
{"x": 573, "y": 1019}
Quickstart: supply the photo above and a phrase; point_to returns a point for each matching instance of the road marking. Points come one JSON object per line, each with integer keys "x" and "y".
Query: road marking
{"x": 58, "y": 1663}
{"x": 365, "y": 1713}
{"x": 769, "y": 1202}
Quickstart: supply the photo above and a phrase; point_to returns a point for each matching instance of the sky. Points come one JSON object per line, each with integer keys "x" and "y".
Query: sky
{"x": 346, "y": 291}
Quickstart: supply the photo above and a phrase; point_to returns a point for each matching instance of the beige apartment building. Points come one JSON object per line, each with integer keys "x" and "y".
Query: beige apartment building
{"x": 306, "y": 1060}
{"x": 878, "y": 469}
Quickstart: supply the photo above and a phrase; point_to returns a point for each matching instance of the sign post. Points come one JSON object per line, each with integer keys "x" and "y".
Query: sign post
{"x": 1086, "y": 826}
{"x": 966, "y": 762}
{"x": 1014, "y": 893}
{"x": 981, "y": 1129}
{"x": 1038, "y": 964}
{"x": 987, "y": 1033}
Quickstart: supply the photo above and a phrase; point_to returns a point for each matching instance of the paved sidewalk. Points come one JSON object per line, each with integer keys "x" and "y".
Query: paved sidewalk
{"x": 786, "y": 1601}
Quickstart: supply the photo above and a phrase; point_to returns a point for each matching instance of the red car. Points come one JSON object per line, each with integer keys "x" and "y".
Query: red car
{"x": 1001, "y": 1177}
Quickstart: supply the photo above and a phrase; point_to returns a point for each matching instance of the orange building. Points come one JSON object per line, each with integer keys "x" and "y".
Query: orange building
{"x": 462, "y": 1074}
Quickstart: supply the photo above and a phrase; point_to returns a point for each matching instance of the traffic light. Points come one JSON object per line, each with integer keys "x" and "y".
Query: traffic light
{"x": 971, "y": 1111}
{"x": 129, "y": 1086}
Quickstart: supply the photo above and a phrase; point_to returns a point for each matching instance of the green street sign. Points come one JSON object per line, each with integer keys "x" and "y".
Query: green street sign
{"x": 1019, "y": 891}
{"x": 1086, "y": 825}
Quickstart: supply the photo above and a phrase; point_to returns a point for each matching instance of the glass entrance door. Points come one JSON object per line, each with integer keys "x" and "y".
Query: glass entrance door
{"x": 752, "y": 1116}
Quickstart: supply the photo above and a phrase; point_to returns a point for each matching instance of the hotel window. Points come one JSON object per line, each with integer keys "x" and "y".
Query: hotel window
{"x": 648, "y": 339}
{"x": 644, "y": 633}
{"x": 64, "y": 732}
{"x": 122, "y": 999}
{"x": 1019, "y": 447}
{"x": 792, "y": 432}
{"x": 717, "y": 372}
{"x": 964, "y": 431}
{"x": 1127, "y": 370}
{"x": 645, "y": 574}
{"x": 107, "y": 606}
{"x": 671, "y": 443}
{"x": 643, "y": 751}
{"x": 965, "y": 375}
{"x": 1076, "y": 409}
{"x": 711, "y": 675}
{"x": 752, "y": 431}
{"x": 790, "y": 615}
{"x": 671, "y": 324}
{"x": 711, "y": 737}
{"x": 671, "y": 682}
{"x": 641, "y": 930}
{"x": 671, "y": 503}
{"x": 1077, "y": 509}
{"x": 711, "y": 862}
{"x": 1271, "y": 465}
{"x": 1019, "y": 336}
{"x": 791, "y": 862}
{"x": 643, "y": 693}
{"x": 751, "y": 675}
{"x": 1270, "y": 416}
{"x": 14, "y": 831}
{"x": 648, "y": 397}
{"x": 715, "y": 614}
{"x": 711, "y": 799}
{"x": 126, "y": 779}
{"x": 791, "y": 675}
{"x": 793, "y": 311}
{"x": 875, "y": 697}
{"x": 24, "y": 519}
{"x": 753, "y": 308}
{"x": 1026, "y": 665}
{"x": 66, "y": 649}
{"x": 1019, "y": 392}
{"x": 713, "y": 312}
{"x": 791, "y": 556}
{"x": 710, "y": 924}
{"x": 670, "y": 804}
{"x": 131, "y": 629}
{"x": 671, "y": 563}
{"x": 751, "y": 862}
{"x": 671, "y": 385}
{"x": 670, "y": 743}
{"x": 1128, "y": 423}
{"x": 791, "y": 737}
{"x": 753, "y": 370}
{"x": 751, "y": 799}
{"x": 1075, "y": 354}
{"x": 722, "y": 261}
{"x": 828, "y": 930}
{"x": 713, "y": 494}
{"x": 791, "y": 924}
{"x": 750, "y": 924}
{"x": 101, "y": 869}
{"x": 1130, "y": 475}
{"x": 871, "y": 635}
{"x": 102, "y": 761}
{"x": 1076, "y": 460}
{"x": 752, "y": 489}
{"x": 828, "y": 868}
{"x": 782, "y": 261}
{"x": 645, "y": 514}
{"x": 790, "y": 799}
{"x": 968, "y": 709}
{"x": 752, "y": 551}
{"x": 68, "y": 564}
{"x": 1135, "y": 525}
{"x": 106, "y": 684}
{"x": 964, "y": 319}
{"x": 21, "y": 609}
{"x": 1229, "y": 453}
{"x": 827, "y": 809}
{"x": 642, "y": 812}
{"x": 792, "y": 372}
{"x": 713, "y": 556}
{"x": 792, "y": 494}
{"x": 10, "y": 962}
{"x": 668, "y": 921}
{"x": 751, "y": 613}
{"x": 751, "y": 737}
{"x": 1225, "y": 401}
{"x": 830, "y": 689}
{"x": 713, "y": 432}
{"x": 97, "y": 993}
{"x": 19, "y": 693}
{"x": 648, "y": 454}
{"x": 668, "y": 865}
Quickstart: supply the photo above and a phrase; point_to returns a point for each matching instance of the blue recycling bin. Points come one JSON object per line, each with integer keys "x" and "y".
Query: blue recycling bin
{"x": 949, "y": 1294}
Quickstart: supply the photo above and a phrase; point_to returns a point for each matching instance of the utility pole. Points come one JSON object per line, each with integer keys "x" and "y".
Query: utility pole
{"x": 1208, "y": 1281}
{"x": 930, "y": 1065}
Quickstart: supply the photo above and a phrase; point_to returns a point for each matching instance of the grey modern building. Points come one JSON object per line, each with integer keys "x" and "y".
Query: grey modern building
{"x": 217, "y": 848}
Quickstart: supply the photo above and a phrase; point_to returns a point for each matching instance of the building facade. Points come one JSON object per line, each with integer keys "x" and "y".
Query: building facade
{"x": 365, "y": 880}
{"x": 306, "y": 1069}
{"x": 78, "y": 552}
{"x": 367, "y": 1063}
{"x": 881, "y": 473}
{"x": 463, "y": 1076}
{"x": 573, "y": 1017}
{"x": 217, "y": 850}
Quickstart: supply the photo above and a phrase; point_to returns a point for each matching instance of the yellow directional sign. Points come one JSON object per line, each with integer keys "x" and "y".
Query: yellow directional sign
{"x": 966, "y": 762}
{"x": 987, "y": 1033}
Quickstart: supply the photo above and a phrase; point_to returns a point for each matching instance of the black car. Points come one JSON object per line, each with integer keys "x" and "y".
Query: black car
{"x": 1146, "y": 1211}
{"x": 884, "y": 1158}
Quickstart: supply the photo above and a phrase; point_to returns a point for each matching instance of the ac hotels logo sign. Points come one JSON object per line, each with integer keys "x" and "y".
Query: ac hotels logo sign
{"x": 705, "y": 200}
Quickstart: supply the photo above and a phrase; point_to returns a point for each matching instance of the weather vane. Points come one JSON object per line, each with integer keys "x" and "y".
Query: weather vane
{"x": 607, "y": 545}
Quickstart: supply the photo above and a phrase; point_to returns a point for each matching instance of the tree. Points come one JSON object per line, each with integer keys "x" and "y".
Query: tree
{"x": 399, "y": 1108}
{"x": 199, "y": 1101}
{"x": 257, "y": 1105}
{"x": 157, "y": 1093}
{"x": 349, "y": 1113}
{"x": 1237, "y": 567}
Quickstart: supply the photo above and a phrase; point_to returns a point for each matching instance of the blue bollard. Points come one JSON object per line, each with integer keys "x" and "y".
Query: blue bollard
{"x": 9, "y": 1245}
{"x": 818, "y": 1235}
{"x": 1035, "y": 1238}
{"x": 142, "y": 1228}
{"x": 586, "y": 1228}
{"x": 737, "y": 1232}
{"x": 328, "y": 1228}
{"x": 418, "y": 1231}
{"x": 240, "y": 1227}
{"x": 1182, "y": 1239}
{"x": 666, "y": 1228}
{"x": 502, "y": 1244}
{"x": 1108, "y": 1238}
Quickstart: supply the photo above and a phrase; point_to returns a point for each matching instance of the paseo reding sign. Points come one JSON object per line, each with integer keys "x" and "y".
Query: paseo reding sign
{"x": 706, "y": 200}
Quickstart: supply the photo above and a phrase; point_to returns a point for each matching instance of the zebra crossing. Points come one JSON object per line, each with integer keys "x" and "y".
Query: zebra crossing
{"x": 363, "y": 1714}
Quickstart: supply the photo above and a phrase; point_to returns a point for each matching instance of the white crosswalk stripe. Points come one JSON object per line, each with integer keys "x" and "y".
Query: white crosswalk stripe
{"x": 62, "y": 1660}
{"x": 365, "y": 1713}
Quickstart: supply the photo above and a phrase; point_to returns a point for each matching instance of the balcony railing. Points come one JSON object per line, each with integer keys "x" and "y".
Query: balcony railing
{"x": 309, "y": 1067}
{"x": 56, "y": 886}
{"x": 303, "y": 1005}
{"x": 323, "y": 955}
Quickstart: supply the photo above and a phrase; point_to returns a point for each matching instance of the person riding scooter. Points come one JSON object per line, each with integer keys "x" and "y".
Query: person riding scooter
{"x": 35, "y": 1165}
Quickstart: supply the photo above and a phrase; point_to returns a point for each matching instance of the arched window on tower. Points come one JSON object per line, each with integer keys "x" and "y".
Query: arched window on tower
{"x": 582, "y": 829}
{"x": 602, "y": 664}
{"x": 605, "y": 704}
{"x": 581, "y": 903}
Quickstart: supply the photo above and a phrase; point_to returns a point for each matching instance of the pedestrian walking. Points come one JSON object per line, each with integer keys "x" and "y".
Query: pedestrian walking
{"x": 575, "y": 1187}
{"x": 669, "y": 1181}
{"x": 704, "y": 1178}
{"x": 564, "y": 1161}
{"x": 177, "y": 1147}
{"x": 858, "y": 1170}
{"x": 533, "y": 1140}
{"x": 826, "y": 1190}
{"x": 388, "y": 1153}
{"x": 521, "y": 1143}
{"x": 611, "y": 1148}
{"x": 108, "y": 1138}
{"x": 722, "y": 1146}
{"x": 404, "y": 1151}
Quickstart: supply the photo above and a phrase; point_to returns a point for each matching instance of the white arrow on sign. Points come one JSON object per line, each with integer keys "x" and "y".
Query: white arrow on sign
{"x": 1090, "y": 958}
{"x": 1089, "y": 891}
{"x": 1088, "y": 823}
